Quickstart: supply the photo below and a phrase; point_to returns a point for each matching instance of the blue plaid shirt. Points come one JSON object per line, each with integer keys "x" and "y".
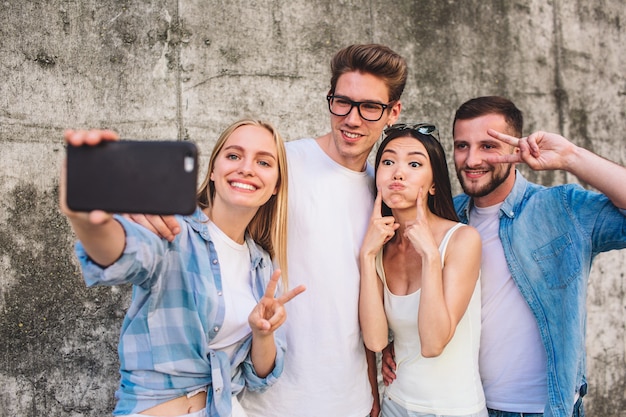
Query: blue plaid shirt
{"x": 177, "y": 308}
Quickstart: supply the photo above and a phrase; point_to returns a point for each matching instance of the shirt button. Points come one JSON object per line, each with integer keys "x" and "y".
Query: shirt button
{"x": 214, "y": 261}
{"x": 216, "y": 329}
{"x": 218, "y": 390}
{"x": 219, "y": 293}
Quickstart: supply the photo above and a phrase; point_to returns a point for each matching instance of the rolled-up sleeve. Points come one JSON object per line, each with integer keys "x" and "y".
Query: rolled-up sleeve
{"x": 252, "y": 381}
{"x": 139, "y": 263}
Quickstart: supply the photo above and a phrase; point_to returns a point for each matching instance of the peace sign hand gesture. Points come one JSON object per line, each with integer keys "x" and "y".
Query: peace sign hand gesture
{"x": 379, "y": 231}
{"x": 269, "y": 314}
{"x": 540, "y": 150}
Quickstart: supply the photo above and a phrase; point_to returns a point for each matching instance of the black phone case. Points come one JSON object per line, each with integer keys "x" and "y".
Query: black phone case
{"x": 151, "y": 177}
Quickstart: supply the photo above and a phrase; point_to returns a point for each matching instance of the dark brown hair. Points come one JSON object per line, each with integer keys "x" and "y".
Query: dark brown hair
{"x": 374, "y": 59}
{"x": 481, "y": 106}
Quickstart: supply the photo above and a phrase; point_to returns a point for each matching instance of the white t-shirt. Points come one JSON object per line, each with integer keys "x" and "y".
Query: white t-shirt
{"x": 512, "y": 357}
{"x": 446, "y": 384}
{"x": 325, "y": 370}
{"x": 239, "y": 299}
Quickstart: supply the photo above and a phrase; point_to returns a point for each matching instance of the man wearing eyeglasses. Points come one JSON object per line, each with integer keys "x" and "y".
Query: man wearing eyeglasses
{"x": 538, "y": 246}
{"x": 330, "y": 200}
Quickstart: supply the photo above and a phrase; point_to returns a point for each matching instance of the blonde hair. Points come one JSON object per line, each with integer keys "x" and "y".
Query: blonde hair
{"x": 268, "y": 227}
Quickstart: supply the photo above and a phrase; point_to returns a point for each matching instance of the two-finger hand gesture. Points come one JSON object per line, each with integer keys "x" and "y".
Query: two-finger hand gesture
{"x": 380, "y": 230}
{"x": 269, "y": 314}
{"x": 540, "y": 150}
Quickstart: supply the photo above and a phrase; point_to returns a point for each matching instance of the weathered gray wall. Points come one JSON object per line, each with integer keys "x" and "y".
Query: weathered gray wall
{"x": 185, "y": 69}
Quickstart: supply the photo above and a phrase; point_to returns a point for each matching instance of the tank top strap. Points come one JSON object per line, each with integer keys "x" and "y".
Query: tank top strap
{"x": 444, "y": 242}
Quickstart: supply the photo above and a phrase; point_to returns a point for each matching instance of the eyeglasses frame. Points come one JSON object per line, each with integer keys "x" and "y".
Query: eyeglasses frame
{"x": 357, "y": 104}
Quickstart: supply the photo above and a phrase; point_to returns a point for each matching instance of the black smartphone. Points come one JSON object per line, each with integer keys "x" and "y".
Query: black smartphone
{"x": 129, "y": 176}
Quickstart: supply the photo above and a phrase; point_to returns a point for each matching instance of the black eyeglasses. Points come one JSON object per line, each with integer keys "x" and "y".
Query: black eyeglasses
{"x": 368, "y": 110}
{"x": 423, "y": 128}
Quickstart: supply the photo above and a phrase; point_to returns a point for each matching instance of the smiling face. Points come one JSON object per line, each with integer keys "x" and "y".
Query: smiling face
{"x": 245, "y": 171}
{"x": 488, "y": 184}
{"x": 404, "y": 168}
{"x": 352, "y": 136}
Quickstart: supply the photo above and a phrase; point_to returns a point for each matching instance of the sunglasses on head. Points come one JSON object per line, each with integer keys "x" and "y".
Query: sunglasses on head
{"x": 423, "y": 128}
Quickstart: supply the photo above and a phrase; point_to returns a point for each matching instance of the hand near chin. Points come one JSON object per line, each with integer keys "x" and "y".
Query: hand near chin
{"x": 380, "y": 230}
{"x": 418, "y": 231}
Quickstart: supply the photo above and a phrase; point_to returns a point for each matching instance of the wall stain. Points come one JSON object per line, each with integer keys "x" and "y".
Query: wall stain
{"x": 45, "y": 60}
{"x": 51, "y": 326}
{"x": 607, "y": 392}
{"x": 436, "y": 27}
{"x": 559, "y": 92}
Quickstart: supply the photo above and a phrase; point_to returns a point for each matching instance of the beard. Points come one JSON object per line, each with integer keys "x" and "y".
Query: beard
{"x": 498, "y": 177}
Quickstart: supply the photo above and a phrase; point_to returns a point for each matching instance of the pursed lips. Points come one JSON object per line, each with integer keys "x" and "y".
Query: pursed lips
{"x": 396, "y": 186}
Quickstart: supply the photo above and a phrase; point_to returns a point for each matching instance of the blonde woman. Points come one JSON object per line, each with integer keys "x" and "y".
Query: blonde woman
{"x": 201, "y": 325}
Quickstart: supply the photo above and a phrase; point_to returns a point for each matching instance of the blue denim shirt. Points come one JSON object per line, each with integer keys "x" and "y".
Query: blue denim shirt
{"x": 550, "y": 237}
{"x": 177, "y": 308}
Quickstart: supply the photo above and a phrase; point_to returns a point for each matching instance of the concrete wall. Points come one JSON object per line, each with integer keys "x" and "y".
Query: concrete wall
{"x": 168, "y": 69}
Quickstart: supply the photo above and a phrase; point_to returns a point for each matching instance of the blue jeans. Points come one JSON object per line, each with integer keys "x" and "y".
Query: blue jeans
{"x": 579, "y": 411}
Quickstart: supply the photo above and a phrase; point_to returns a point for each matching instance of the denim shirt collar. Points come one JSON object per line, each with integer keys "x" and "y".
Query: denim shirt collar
{"x": 512, "y": 203}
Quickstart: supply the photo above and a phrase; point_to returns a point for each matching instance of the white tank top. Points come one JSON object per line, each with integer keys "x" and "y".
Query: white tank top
{"x": 449, "y": 383}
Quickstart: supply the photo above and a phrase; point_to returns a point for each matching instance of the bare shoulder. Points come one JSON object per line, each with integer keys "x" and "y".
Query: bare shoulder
{"x": 465, "y": 238}
{"x": 463, "y": 255}
{"x": 468, "y": 232}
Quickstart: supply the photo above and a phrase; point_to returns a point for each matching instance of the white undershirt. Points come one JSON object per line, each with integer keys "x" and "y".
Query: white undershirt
{"x": 239, "y": 299}
{"x": 512, "y": 357}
